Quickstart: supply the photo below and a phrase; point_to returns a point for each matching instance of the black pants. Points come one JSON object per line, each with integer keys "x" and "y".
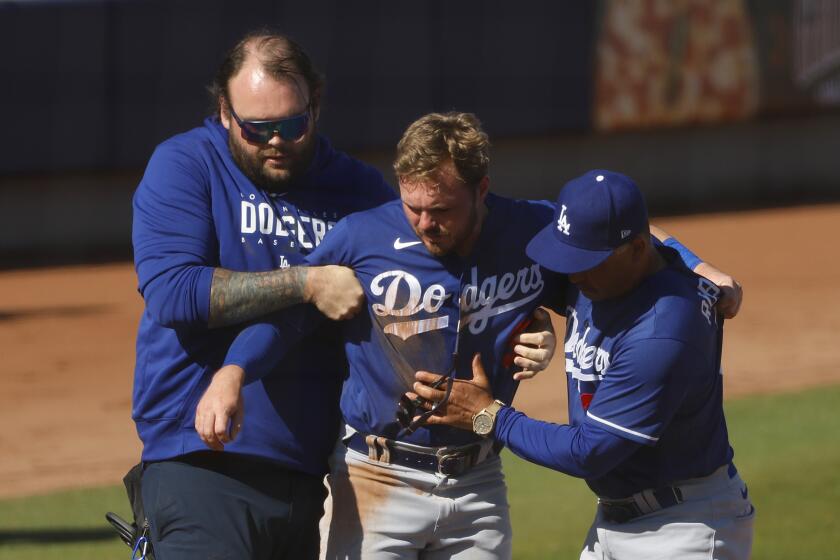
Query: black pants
{"x": 210, "y": 505}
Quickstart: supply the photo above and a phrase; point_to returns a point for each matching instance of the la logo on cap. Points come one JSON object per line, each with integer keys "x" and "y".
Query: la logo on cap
{"x": 563, "y": 224}
{"x": 607, "y": 209}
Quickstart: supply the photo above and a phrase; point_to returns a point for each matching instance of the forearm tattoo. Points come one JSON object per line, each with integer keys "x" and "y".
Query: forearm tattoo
{"x": 236, "y": 297}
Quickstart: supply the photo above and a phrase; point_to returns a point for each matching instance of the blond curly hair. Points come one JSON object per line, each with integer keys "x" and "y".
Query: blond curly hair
{"x": 432, "y": 140}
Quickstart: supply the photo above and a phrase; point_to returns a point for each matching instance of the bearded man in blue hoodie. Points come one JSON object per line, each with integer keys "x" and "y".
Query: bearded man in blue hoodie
{"x": 221, "y": 216}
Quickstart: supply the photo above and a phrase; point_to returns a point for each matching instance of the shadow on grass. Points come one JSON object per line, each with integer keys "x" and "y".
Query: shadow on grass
{"x": 57, "y": 535}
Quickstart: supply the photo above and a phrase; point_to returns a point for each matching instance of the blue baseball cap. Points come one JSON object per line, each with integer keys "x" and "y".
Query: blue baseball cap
{"x": 596, "y": 213}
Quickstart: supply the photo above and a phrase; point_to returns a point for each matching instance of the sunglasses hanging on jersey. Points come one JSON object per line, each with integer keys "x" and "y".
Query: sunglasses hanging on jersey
{"x": 289, "y": 129}
{"x": 407, "y": 408}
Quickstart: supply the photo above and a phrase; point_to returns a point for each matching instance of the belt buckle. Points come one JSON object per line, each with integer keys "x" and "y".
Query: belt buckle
{"x": 619, "y": 511}
{"x": 453, "y": 461}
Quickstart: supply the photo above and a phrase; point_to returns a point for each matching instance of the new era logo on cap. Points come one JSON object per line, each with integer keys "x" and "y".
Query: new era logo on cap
{"x": 607, "y": 209}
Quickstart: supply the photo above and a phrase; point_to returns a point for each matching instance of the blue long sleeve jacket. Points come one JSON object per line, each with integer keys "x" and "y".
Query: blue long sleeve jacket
{"x": 194, "y": 210}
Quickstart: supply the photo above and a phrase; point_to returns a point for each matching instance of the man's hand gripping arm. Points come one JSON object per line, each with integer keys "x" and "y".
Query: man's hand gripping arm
{"x": 534, "y": 346}
{"x": 236, "y": 297}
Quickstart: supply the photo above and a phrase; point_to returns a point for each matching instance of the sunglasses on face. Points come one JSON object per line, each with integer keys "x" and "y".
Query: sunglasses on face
{"x": 290, "y": 129}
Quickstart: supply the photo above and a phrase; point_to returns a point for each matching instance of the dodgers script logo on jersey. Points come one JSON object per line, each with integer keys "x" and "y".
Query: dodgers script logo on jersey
{"x": 286, "y": 225}
{"x": 585, "y": 363}
{"x": 405, "y": 296}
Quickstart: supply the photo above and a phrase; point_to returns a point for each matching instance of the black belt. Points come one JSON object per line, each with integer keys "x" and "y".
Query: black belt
{"x": 448, "y": 461}
{"x": 627, "y": 509}
{"x": 621, "y": 511}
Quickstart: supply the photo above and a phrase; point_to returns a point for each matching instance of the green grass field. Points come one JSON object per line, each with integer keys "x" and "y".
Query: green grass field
{"x": 786, "y": 449}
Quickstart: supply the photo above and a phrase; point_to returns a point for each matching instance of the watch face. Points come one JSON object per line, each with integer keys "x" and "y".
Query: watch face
{"x": 483, "y": 423}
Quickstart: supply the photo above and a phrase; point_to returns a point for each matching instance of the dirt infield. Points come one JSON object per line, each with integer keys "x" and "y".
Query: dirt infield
{"x": 67, "y": 339}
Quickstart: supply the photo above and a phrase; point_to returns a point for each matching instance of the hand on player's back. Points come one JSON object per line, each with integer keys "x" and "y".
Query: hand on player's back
{"x": 334, "y": 290}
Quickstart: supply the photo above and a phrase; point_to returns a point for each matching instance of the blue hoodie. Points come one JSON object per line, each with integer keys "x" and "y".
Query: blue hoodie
{"x": 195, "y": 210}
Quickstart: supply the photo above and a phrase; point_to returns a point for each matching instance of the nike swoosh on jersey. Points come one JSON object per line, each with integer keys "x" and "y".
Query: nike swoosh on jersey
{"x": 403, "y": 244}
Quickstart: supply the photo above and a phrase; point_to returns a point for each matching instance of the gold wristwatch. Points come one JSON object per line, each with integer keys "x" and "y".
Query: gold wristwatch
{"x": 485, "y": 420}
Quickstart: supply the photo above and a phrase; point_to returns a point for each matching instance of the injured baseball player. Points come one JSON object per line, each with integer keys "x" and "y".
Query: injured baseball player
{"x": 445, "y": 276}
{"x": 643, "y": 352}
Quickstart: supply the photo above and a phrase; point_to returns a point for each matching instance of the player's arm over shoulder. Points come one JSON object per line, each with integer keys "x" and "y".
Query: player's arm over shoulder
{"x": 732, "y": 294}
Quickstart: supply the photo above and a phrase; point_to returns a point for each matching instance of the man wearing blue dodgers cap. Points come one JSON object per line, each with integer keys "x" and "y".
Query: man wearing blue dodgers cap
{"x": 643, "y": 347}
{"x": 607, "y": 210}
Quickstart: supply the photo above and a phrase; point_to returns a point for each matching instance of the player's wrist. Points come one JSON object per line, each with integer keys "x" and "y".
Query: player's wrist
{"x": 230, "y": 373}
{"x": 309, "y": 278}
{"x": 689, "y": 258}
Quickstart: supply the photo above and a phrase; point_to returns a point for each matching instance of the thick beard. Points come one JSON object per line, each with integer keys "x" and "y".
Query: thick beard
{"x": 252, "y": 166}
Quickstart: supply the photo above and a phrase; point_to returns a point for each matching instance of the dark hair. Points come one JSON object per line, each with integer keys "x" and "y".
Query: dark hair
{"x": 279, "y": 56}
